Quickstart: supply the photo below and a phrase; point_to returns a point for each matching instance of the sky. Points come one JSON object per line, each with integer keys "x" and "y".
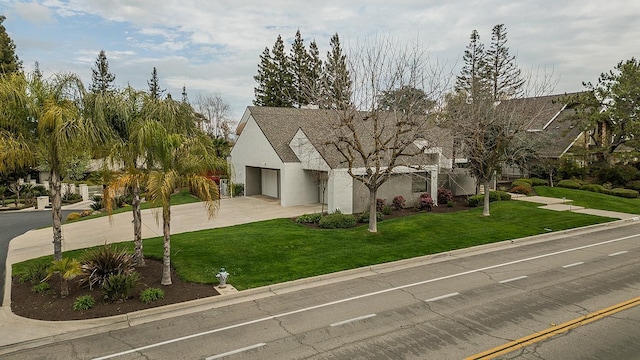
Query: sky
{"x": 213, "y": 46}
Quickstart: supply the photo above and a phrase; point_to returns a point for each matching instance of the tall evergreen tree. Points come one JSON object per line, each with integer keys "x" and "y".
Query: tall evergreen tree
{"x": 185, "y": 97}
{"x": 36, "y": 70}
{"x": 263, "y": 92}
{"x": 101, "y": 79}
{"x": 9, "y": 61}
{"x": 502, "y": 72}
{"x": 282, "y": 80}
{"x": 299, "y": 69}
{"x": 470, "y": 81}
{"x": 314, "y": 77}
{"x": 337, "y": 81}
{"x": 154, "y": 85}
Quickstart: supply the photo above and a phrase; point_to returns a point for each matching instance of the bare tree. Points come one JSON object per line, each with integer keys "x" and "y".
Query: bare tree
{"x": 378, "y": 140}
{"x": 215, "y": 115}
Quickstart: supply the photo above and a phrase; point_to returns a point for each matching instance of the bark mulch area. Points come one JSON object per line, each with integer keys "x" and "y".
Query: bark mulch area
{"x": 49, "y": 306}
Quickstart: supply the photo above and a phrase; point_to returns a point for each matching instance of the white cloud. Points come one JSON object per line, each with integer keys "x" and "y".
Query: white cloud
{"x": 34, "y": 12}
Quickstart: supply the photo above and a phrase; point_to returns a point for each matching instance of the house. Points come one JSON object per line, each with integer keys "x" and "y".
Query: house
{"x": 284, "y": 153}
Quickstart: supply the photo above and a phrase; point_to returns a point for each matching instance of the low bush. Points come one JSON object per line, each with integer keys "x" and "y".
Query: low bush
{"x": 151, "y": 294}
{"x": 386, "y": 210}
{"x": 40, "y": 287}
{"x": 425, "y": 202}
{"x": 337, "y": 221}
{"x": 84, "y": 302}
{"x": 97, "y": 204}
{"x": 86, "y": 213}
{"x": 520, "y": 181}
{"x": 238, "y": 189}
{"x": 569, "y": 184}
{"x": 101, "y": 263}
{"x": 444, "y": 196}
{"x": 477, "y": 200}
{"x": 309, "y": 218}
{"x": 521, "y": 189}
{"x": 539, "y": 182}
{"x": 380, "y": 204}
{"x": 593, "y": 188}
{"x": 34, "y": 273}
{"x": 119, "y": 286}
{"x": 364, "y": 217}
{"x": 73, "y": 216}
{"x": 635, "y": 185}
{"x": 625, "y": 193}
{"x": 399, "y": 202}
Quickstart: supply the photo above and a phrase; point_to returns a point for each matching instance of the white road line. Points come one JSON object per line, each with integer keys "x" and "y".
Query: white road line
{"x": 574, "y": 264}
{"x": 220, "y": 356}
{"x": 513, "y": 279}
{"x": 319, "y": 306}
{"x": 352, "y": 320}
{"x": 442, "y": 297}
{"x": 618, "y": 253}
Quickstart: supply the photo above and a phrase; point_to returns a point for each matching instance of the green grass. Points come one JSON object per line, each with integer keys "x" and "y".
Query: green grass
{"x": 592, "y": 200}
{"x": 274, "y": 251}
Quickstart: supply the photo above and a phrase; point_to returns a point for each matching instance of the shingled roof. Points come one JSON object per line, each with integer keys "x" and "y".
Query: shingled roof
{"x": 279, "y": 125}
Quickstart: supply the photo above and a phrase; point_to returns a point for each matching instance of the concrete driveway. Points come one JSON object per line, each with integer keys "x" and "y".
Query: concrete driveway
{"x": 118, "y": 228}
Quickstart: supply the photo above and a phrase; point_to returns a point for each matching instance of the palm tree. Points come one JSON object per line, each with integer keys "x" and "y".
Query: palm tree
{"x": 46, "y": 116}
{"x": 68, "y": 269}
{"x": 175, "y": 154}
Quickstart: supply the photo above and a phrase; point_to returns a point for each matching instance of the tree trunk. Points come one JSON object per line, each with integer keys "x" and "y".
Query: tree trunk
{"x": 485, "y": 208}
{"x": 138, "y": 255}
{"x": 166, "y": 258}
{"x": 64, "y": 287}
{"x": 56, "y": 215}
{"x": 373, "y": 218}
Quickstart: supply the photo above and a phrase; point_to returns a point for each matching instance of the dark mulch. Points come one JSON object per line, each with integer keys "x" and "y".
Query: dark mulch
{"x": 49, "y": 306}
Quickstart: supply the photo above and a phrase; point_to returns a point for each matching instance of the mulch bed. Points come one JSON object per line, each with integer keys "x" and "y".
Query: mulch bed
{"x": 49, "y": 306}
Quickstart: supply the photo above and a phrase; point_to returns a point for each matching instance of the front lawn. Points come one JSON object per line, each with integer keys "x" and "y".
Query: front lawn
{"x": 279, "y": 250}
{"x": 592, "y": 200}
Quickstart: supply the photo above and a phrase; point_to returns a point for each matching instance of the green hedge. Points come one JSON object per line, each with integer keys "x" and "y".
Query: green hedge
{"x": 337, "y": 221}
{"x": 477, "y": 200}
{"x": 569, "y": 184}
{"x": 625, "y": 193}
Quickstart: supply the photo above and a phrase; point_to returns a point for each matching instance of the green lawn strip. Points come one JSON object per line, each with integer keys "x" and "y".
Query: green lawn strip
{"x": 279, "y": 250}
{"x": 592, "y": 200}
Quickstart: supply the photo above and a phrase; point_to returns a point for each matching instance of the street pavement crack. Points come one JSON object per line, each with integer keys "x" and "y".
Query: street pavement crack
{"x": 295, "y": 336}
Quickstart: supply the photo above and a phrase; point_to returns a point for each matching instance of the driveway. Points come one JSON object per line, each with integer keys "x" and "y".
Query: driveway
{"x": 118, "y": 228}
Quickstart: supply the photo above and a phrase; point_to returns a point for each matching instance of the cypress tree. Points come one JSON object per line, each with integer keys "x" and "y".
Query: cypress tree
{"x": 314, "y": 77}
{"x": 337, "y": 81}
{"x": 154, "y": 86}
{"x": 282, "y": 80}
{"x": 299, "y": 71}
{"x": 101, "y": 79}
{"x": 264, "y": 91}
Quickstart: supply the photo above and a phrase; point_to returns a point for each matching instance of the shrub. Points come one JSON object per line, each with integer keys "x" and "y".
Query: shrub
{"x": 618, "y": 175}
{"x": 399, "y": 202}
{"x": 73, "y": 216}
{"x": 364, "y": 217}
{"x": 238, "y": 189}
{"x": 119, "y": 286}
{"x": 40, "y": 287}
{"x": 337, "y": 221}
{"x": 569, "y": 184}
{"x": 71, "y": 197}
{"x": 625, "y": 193}
{"x": 444, "y": 196}
{"x": 34, "y": 273}
{"x": 40, "y": 190}
{"x": 309, "y": 218}
{"x": 521, "y": 181}
{"x": 593, "y": 188}
{"x": 477, "y": 200}
{"x": 635, "y": 185}
{"x": 151, "y": 294}
{"x": 539, "y": 182}
{"x": 380, "y": 204}
{"x": 450, "y": 203}
{"x": 101, "y": 263}
{"x": 84, "y": 302}
{"x": 521, "y": 189}
{"x": 86, "y": 213}
{"x": 425, "y": 202}
{"x": 97, "y": 203}
{"x": 386, "y": 210}
{"x": 67, "y": 269}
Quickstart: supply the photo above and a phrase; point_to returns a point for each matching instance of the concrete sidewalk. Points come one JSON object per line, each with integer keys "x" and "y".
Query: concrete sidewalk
{"x": 556, "y": 204}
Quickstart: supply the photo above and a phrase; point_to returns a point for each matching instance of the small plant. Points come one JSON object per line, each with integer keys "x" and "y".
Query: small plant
{"x": 238, "y": 189}
{"x": 40, "y": 287}
{"x": 337, "y": 221}
{"x": 399, "y": 202}
{"x": 450, "y": 203}
{"x": 444, "y": 195}
{"x": 380, "y": 204}
{"x": 34, "y": 273}
{"x": 103, "y": 262}
{"x": 425, "y": 202}
{"x": 73, "y": 216}
{"x": 521, "y": 189}
{"x": 364, "y": 217}
{"x": 386, "y": 210}
{"x": 477, "y": 200}
{"x": 119, "y": 286}
{"x": 86, "y": 213}
{"x": 97, "y": 203}
{"x": 84, "y": 302}
{"x": 151, "y": 294}
{"x": 67, "y": 269}
{"x": 309, "y": 218}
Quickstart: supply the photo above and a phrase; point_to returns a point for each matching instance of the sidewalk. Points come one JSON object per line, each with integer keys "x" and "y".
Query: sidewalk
{"x": 556, "y": 204}
{"x": 18, "y": 333}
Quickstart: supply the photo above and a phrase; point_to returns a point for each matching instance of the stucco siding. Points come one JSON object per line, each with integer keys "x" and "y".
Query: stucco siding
{"x": 299, "y": 187}
{"x": 340, "y": 191}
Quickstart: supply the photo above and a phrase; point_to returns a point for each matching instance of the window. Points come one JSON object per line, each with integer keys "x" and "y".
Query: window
{"x": 420, "y": 182}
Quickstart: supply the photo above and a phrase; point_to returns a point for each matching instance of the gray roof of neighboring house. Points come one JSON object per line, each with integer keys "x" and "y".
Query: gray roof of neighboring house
{"x": 279, "y": 125}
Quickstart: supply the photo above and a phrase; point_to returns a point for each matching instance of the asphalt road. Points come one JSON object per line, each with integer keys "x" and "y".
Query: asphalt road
{"x": 451, "y": 309}
{"x": 13, "y": 224}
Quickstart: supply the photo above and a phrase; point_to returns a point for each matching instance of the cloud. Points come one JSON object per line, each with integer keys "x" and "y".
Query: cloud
{"x": 34, "y": 12}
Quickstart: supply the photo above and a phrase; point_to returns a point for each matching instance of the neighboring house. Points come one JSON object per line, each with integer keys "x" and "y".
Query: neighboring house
{"x": 284, "y": 153}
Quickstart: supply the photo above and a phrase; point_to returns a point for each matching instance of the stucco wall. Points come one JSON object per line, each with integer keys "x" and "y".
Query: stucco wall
{"x": 459, "y": 181}
{"x": 340, "y": 191}
{"x": 298, "y": 187}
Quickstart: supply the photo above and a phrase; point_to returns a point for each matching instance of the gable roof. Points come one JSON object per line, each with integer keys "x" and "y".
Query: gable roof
{"x": 279, "y": 125}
